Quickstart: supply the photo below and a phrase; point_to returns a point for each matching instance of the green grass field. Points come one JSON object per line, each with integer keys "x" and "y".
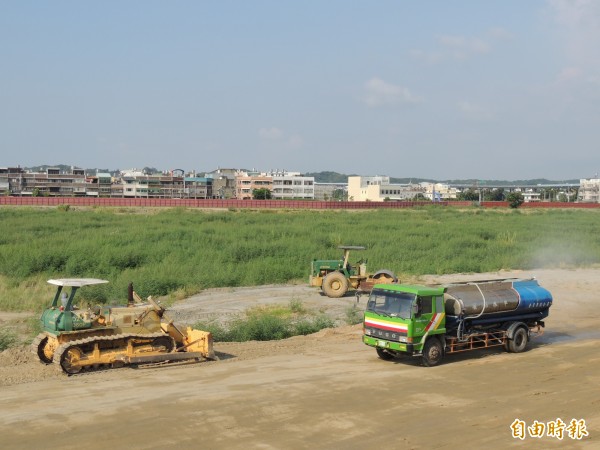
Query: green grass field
{"x": 178, "y": 252}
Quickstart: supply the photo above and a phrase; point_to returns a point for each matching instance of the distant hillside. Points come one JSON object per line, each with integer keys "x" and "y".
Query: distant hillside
{"x": 328, "y": 177}
{"x": 44, "y": 167}
{"x": 335, "y": 177}
{"x": 535, "y": 181}
{"x": 411, "y": 180}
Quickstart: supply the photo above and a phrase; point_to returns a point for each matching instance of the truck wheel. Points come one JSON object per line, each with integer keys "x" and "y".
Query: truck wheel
{"x": 432, "y": 352}
{"x": 383, "y": 354}
{"x": 335, "y": 285}
{"x": 519, "y": 341}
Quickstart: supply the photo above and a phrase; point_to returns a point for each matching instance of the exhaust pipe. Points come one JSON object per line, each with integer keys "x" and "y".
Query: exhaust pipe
{"x": 130, "y": 301}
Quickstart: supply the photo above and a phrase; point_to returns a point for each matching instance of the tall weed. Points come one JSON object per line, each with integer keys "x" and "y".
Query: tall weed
{"x": 8, "y": 338}
{"x": 187, "y": 250}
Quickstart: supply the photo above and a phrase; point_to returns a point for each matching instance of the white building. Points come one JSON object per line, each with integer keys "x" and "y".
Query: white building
{"x": 589, "y": 190}
{"x": 529, "y": 195}
{"x": 379, "y": 188}
{"x": 438, "y": 191}
{"x": 282, "y": 184}
{"x": 292, "y": 185}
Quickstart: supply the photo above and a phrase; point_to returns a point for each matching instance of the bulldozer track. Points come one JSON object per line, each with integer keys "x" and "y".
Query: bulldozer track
{"x": 39, "y": 348}
{"x": 36, "y": 342}
{"x": 83, "y": 343}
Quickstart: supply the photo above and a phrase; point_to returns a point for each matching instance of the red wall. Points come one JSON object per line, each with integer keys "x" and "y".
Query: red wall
{"x": 543, "y": 205}
{"x": 283, "y": 204}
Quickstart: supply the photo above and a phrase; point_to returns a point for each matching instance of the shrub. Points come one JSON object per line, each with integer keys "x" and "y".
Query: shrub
{"x": 353, "y": 315}
{"x": 515, "y": 199}
{"x": 260, "y": 327}
{"x": 310, "y": 326}
{"x": 34, "y": 325}
{"x": 8, "y": 339}
{"x": 266, "y": 324}
{"x": 296, "y": 306}
{"x": 219, "y": 333}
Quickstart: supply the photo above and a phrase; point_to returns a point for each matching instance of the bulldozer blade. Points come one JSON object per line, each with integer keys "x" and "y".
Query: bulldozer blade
{"x": 178, "y": 356}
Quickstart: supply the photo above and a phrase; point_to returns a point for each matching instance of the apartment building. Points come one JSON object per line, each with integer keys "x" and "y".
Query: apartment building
{"x": 246, "y": 182}
{"x": 10, "y": 179}
{"x": 589, "y": 190}
{"x": 438, "y": 191}
{"x": 74, "y": 183}
{"x": 53, "y": 182}
{"x": 101, "y": 185}
{"x": 378, "y": 189}
{"x": 282, "y": 184}
{"x": 197, "y": 187}
{"x": 292, "y": 186}
{"x": 529, "y": 195}
{"x": 223, "y": 183}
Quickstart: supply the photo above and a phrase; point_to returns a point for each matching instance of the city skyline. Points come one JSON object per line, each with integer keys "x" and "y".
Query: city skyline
{"x": 503, "y": 90}
{"x": 187, "y": 171}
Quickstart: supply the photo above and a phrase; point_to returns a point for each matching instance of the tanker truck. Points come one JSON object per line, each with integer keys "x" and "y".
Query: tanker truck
{"x": 432, "y": 321}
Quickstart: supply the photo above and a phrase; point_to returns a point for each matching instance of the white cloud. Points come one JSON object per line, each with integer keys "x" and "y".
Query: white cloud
{"x": 578, "y": 23}
{"x": 499, "y": 33}
{"x": 270, "y": 134}
{"x": 428, "y": 57}
{"x": 380, "y": 93}
{"x": 459, "y": 48}
{"x": 295, "y": 142}
{"x": 274, "y": 134}
{"x": 569, "y": 74}
{"x": 576, "y": 13}
{"x": 473, "y": 111}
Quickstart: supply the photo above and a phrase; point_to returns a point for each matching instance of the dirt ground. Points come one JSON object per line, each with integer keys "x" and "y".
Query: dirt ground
{"x": 327, "y": 390}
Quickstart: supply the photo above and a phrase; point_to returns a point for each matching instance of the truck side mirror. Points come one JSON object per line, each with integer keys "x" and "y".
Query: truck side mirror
{"x": 416, "y": 309}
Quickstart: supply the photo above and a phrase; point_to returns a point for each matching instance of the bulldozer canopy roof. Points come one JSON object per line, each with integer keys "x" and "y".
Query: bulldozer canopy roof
{"x": 76, "y": 282}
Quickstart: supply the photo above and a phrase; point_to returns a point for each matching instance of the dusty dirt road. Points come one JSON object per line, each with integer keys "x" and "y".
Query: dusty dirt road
{"x": 327, "y": 390}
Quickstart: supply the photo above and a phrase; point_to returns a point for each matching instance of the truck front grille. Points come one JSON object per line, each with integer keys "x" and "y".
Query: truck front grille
{"x": 385, "y": 334}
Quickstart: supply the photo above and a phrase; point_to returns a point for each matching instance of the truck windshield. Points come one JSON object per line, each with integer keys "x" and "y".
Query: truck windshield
{"x": 392, "y": 304}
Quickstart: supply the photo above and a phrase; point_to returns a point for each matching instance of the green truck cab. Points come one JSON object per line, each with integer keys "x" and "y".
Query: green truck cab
{"x": 401, "y": 318}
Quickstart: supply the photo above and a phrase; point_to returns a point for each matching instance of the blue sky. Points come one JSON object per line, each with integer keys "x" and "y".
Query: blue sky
{"x": 498, "y": 89}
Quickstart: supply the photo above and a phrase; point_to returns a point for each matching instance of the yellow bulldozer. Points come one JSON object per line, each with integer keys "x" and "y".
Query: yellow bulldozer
{"x": 113, "y": 336}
